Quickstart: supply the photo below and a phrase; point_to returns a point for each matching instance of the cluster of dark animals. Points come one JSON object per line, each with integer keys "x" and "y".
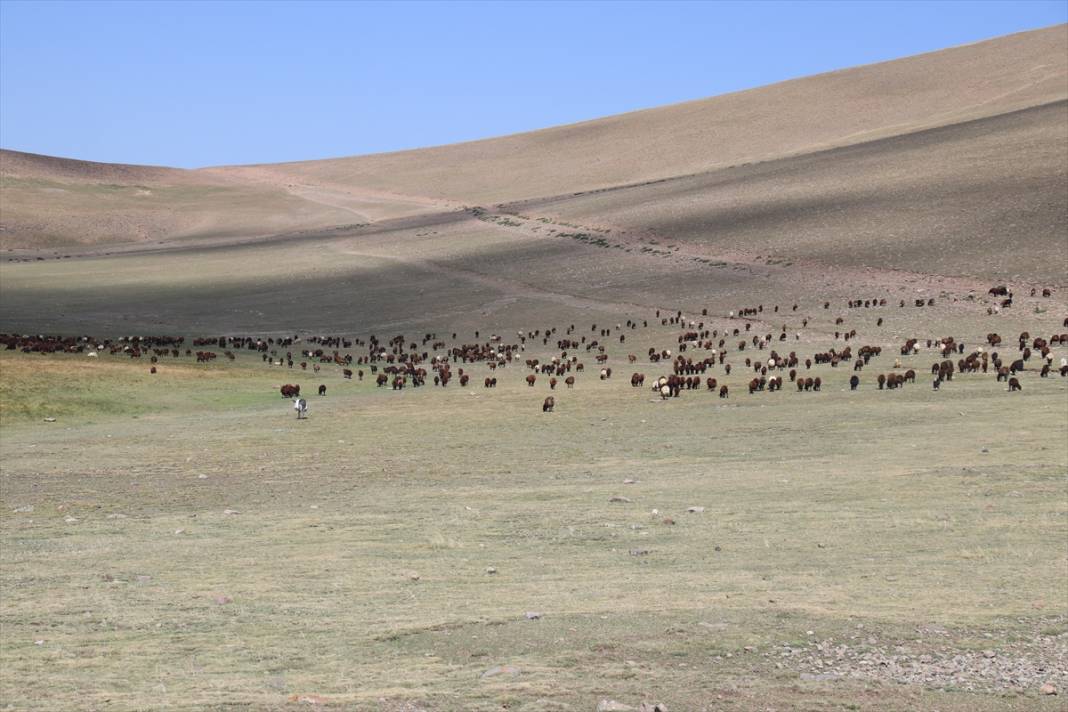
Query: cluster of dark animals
{"x": 398, "y": 362}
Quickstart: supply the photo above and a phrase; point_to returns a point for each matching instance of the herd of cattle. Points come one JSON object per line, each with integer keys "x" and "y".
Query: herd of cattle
{"x": 399, "y": 362}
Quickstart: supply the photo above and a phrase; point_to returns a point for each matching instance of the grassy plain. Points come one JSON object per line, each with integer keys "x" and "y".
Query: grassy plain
{"x": 838, "y": 528}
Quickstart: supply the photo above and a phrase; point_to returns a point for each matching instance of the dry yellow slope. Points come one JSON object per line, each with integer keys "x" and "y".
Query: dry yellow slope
{"x": 51, "y": 202}
{"x": 48, "y": 202}
{"x": 799, "y": 116}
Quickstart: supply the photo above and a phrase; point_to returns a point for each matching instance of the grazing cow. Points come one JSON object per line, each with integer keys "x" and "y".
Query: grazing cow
{"x": 290, "y": 391}
{"x": 881, "y": 380}
{"x": 548, "y": 405}
{"x": 854, "y": 381}
{"x": 723, "y": 391}
{"x": 322, "y": 389}
{"x": 152, "y": 370}
{"x": 665, "y": 391}
{"x": 936, "y": 383}
{"x": 1014, "y": 385}
{"x": 552, "y": 384}
{"x": 816, "y": 383}
{"x": 301, "y": 406}
{"x": 569, "y": 381}
{"x": 637, "y": 380}
{"x": 347, "y": 373}
{"x": 711, "y": 383}
{"x": 1017, "y": 365}
{"x": 531, "y": 379}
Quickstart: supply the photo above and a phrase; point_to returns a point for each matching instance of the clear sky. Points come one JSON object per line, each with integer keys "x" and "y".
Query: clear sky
{"x": 207, "y": 83}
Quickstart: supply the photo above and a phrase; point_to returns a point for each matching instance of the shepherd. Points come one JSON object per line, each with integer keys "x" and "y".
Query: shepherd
{"x": 301, "y": 406}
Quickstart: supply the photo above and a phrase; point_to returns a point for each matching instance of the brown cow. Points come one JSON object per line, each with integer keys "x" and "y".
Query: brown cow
{"x": 531, "y": 379}
{"x": 548, "y": 405}
{"x": 1014, "y": 385}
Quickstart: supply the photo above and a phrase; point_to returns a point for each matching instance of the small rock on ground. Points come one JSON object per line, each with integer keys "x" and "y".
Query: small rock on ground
{"x": 497, "y": 670}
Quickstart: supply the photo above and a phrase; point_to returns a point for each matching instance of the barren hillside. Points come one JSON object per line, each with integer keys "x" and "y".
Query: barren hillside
{"x": 952, "y": 161}
{"x": 800, "y": 116}
{"x": 48, "y": 202}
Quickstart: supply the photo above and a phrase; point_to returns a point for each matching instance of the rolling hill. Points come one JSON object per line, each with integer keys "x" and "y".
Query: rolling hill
{"x": 52, "y": 201}
{"x": 948, "y": 165}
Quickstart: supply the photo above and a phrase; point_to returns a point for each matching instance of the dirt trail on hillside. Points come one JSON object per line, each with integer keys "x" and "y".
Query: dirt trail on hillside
{"x": 510, "y": 287}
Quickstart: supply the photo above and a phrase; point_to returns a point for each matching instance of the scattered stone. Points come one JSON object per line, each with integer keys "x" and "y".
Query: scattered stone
{"x": 652, "y": 707}
{"x": 819, "y": 676}
{"x": 509, "y": 670}
{"x": 491, "y": 570}
{"x": 115, "y": 515}
{"x": 222, "y": 599}
{"x": 695, "y": 510}
{"x": 70, "y": 520}
{"x": 667, "y": 520}
{"x": 202, "y": 476}
{"x": 24, "y": 509}
{"x": 179, "y": 531}
{"x": 1048, "y": 689}
{"x": 612, "y": 706}
{"x": 630, "y": 482}
{"x": 533, "y": 616}
{"x": 231, "y": 511}
{"x": 639, "y": 552}
{"x": 618, "y": 498}
{"x": 717, "y": 547}
{"x": 988, "y": 654}
{"x": 49, "y": 420}
{"x": 308, "y": 699}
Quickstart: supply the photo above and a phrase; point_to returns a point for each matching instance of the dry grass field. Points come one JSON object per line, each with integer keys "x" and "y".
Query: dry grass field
{"x": 180, "y": 541}
{"x": 860, "y": 550}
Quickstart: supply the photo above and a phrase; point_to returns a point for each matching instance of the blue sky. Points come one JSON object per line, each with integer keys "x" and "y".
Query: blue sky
{"x": 197, "y": 83}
